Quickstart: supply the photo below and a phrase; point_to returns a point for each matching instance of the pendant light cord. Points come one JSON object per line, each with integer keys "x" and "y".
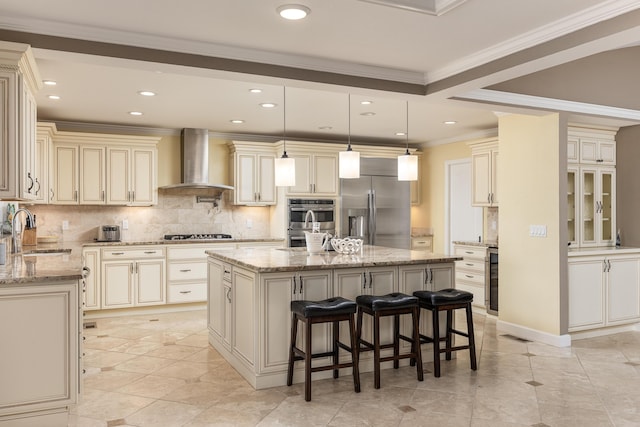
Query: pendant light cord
{"x": 284, "y": 121}
{"x": 406, "y": 133}
{"x": 349, "y": 124}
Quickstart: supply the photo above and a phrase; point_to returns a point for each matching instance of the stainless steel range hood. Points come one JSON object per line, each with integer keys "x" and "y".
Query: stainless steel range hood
{"x": 194, "y": 153}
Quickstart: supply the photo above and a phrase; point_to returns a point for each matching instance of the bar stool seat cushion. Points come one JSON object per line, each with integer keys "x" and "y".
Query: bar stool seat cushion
{"x": 381, "y": 302}
{"x": 327, "y": 307}
{"x": 444, "y": 296}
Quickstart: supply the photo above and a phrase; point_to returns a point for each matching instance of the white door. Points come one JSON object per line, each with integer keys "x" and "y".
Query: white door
{"x": 463, "y": 222}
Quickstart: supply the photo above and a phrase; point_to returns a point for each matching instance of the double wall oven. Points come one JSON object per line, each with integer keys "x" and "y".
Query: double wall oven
{"x": 324, "y": 213}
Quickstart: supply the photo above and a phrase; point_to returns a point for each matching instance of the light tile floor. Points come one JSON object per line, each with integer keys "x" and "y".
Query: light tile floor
{"x": 158, "y": 370}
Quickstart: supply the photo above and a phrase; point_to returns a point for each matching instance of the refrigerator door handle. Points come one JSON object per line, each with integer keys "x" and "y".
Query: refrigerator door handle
{"x": 372, "y": 217}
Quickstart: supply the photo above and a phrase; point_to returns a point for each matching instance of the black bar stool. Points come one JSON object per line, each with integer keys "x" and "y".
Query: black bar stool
{"x": 448, "y": 300}
{"x": 394, "y": 304}
{"x": 333, "y": 310}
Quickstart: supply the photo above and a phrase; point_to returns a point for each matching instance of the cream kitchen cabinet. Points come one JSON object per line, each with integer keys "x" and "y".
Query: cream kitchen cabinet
{"x": 19, "y": 81}
{"x": 604, "y": 290}
{"x": 277, "y": 290}
{"x": 253, "y": 172}
{"x": 41, "y": 332}
{"x": 91, "y": 289}
{"x": 484, "y": 172}
{"x": 597, "y": 192}
{"x": 316, "y": 174}
{"x": 471, "y": 272}
{"x": 98, "y": 169}
{"x": 422, "y": 243}
{"x": 573, "y": 204}
{"x": 132, "y": 176}
{"x": 133, "y": 277}
{"x": 43, "y": 159}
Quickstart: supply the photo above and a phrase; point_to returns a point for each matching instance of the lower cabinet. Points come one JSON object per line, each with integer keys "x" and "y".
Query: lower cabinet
{"x": 133, "y": 277}
{"x": 91, "y": 289}
{"x": 41, "y": 354}
{"x": 603, "y": 291}
{"x": 471, "y": 272}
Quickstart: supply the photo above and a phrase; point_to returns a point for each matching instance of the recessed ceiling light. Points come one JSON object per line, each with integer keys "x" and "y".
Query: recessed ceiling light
{"x": 293, "y": 12}
{"x": 255, "y": 90}
{"x": 146, "y": 93}
{"x": 325, "y": 127}
{"x": 236, "y": 121}
{"x": 400, "y": 133}
{"x": 56, "y": 97}
{"x": 450, "y": 122}
{"x": 368, "y": 114}
{"x": 135, "y": 113}
{"x": 49, "y": 82}
{"x": 366, "y": 102}
{"x": 268, "y": 105}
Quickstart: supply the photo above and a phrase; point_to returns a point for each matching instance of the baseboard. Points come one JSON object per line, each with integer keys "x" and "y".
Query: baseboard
{"x": 139, "y": 311}
{"x": 533, "y": 334}
{"x": 599, "y": 332}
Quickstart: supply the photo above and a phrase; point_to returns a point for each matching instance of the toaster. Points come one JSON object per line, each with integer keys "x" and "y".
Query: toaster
{"x": 108, "y": 233}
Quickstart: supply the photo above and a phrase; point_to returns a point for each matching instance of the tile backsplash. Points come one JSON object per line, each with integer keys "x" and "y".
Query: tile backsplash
{"x": 175, "y": 213}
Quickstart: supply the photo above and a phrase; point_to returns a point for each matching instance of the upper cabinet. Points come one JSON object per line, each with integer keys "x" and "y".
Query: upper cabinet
{"x": 100, "y": 169}
{"x": 19, "y": 81}
{"x": 484, "y": 172}
{"x": 43, "y": 158}
{"x": 591, "y": 185}
{"x": 253, "y": 173}
{"x": 316, "y": 173}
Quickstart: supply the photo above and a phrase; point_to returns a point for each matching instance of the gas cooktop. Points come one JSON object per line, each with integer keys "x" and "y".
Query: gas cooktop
{"x": 215, "y": 236}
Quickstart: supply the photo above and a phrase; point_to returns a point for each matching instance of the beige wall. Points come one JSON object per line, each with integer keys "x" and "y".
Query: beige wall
{"x": 628, "y": 185}
{"x": 532, "y": 176}
{"x": 430, "y": 212}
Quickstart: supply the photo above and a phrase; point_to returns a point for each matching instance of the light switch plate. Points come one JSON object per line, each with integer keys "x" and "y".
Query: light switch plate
{"x": 538, "y": 231}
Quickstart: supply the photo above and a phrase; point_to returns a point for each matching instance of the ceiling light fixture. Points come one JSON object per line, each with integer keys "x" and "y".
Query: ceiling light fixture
{"x": 366, "y": 102}
{"x": 255, "y": 90}
{"x": 135, "y": 113}
{"x": 146, "y": 93}
{"x": 450, "y": 122}
{"x": 56, "y": 97}
{"x": 407, "y": 164}
{"x": 293, "y": 12}
{"x": 236, "y": 121}
{"x": 285, "y": 166}
{"x": 349, "y": 161}
{"x": 49, "y": 82}
{"x": 268, "y": 105}
{"x": 325, "y": 127}
{"x": 368, "y": 114}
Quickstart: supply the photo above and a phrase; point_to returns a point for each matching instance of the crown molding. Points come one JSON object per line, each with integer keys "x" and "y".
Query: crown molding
{"x": 600, "y": 12}
{"x": 473, "y": 136}
{"x": 539, "y": 102}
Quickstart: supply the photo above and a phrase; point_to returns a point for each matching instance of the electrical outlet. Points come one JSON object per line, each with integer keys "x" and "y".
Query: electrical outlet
{"x": 249, "y": 223}
{"x": 65, "y": 225}
{"x": 125, "y": 224}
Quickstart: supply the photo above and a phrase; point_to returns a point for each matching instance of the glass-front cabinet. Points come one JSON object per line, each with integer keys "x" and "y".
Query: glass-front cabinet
{"x": 597, "y": 206}
{"x": 572, "y": 204}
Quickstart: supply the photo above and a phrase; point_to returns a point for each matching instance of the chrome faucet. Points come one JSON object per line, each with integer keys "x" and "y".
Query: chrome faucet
{"x": 314, "y": 225}
{"x": 17, "y": 243}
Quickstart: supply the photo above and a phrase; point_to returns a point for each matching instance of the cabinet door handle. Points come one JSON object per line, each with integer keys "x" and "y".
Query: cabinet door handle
{"x": 186, "y": 270}
{"x": 131, "y": 267}
{"x": 133, "y": 196}
{"x": 103, "y": 195}
{"x": 301, "y": 284}
{"x": 75, "y": 196}
{"x": 370, "y": 280}
{"x": 426, "y": 276}
{"x": 469, "y": 276}
{"x": 30, "y": 187}
{"x": 364, "y": 280}
{"x": 37, "y": 189}
{"x": 117, "y": 253}
{"x": 489, "y": 198}
{"x": 149, "y": 252}
{"x": 185, "y": 292}
{"x": 294, "y": 284}
{"x": 52, "y": 193}
{"x": 229, "y": 294}
{"x": 468, "y": 264}
{"x": 468, "y": 252}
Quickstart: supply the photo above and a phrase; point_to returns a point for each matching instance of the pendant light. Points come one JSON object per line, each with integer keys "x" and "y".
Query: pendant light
{"x": 349, "y": 161}
{"x": 285, "y": 167}
{"x": 407, "y": 164}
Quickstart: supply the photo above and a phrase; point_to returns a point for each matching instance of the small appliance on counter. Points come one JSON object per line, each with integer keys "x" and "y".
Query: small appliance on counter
{"x": 108, "y": 233}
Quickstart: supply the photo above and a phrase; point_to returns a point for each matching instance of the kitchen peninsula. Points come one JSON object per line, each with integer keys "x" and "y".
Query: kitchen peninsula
{"x": 40, "y": 326}
{"x": 250, "y": 291}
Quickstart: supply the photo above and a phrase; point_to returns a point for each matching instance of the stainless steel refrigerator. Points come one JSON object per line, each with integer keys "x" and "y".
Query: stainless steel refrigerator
{"x": 377, "y": 207}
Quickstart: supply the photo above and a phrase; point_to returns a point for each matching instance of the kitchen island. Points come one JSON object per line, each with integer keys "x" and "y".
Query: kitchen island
{"x": 250, "y": 290}
{"x": 40, "y": 315}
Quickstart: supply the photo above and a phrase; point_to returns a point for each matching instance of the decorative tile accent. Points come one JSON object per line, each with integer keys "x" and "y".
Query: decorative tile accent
{"x": 108, "y": 368}
{"x": 540, "y": 425}
{"x": 529, "y": 354}
{"x": 153, "y": 320}
{"x": 114, "y": 423}
{"x": 102, "y": 336}
{"x": 406, "y": 408}
{"x": 534, "y": 383}
{"x": 632, "y": 363}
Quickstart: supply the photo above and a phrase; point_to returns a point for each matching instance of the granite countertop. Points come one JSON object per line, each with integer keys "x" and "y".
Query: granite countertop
{"x": 40, "y": 266}
{"x": 178, "y": 242}
{"x": 484, "y": 244}
{"x": 270, "y": 260}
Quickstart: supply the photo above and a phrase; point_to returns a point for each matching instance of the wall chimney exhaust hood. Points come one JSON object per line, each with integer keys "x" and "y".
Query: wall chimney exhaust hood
{"x": 194, "y": 153}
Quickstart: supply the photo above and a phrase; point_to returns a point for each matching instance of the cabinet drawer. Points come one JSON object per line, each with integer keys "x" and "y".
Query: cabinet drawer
{"x": 192, "y": 251}
{"x": 128, "y": 254}
{"x": 421, "y": 243}
{"x": 470, "y": 252}
{"x": 477, "y": 291}
{"x": 187, "y": 271}
{"x": 473, "y": 265}
{"x": 469, "y": 277}
{"x": 188, "y": 292}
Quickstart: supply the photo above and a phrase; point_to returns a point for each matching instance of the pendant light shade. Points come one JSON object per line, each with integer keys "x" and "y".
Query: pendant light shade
{"x": 407, "y": 164}
{"x": 349, "y": 161}
{"x": 285, "y": 167}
